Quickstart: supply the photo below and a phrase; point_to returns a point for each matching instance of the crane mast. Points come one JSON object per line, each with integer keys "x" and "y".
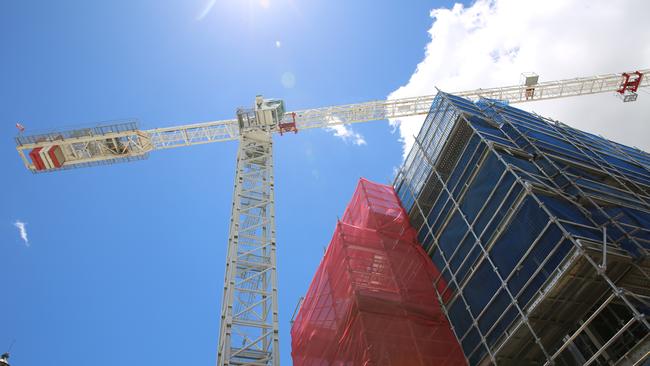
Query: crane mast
{"x": 249, "y": 312}
{"x": 249, "y": 333}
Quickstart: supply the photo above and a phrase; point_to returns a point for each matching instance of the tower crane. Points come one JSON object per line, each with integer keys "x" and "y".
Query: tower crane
{"x": 249, "y": 312}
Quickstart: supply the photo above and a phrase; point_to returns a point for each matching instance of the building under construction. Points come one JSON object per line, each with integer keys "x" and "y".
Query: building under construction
{"x": 371, "y": 301}
{"x": 539, "y": 236}
{"x": 511, "y": 239}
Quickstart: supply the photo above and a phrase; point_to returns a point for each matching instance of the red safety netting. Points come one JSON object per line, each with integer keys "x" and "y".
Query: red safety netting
{"x": 372, "y": 301}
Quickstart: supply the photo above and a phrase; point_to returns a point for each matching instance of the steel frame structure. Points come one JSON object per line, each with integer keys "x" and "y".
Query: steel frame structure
{"x": 249, "y": 332}
{"x": 592, "y": 282}
{"x": 249, "y": 319}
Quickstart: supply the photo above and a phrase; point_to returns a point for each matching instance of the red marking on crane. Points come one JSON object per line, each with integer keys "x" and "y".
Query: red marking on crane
{"x": 289, "y": 126}
{"x": 36, "y": 158}
{"x": 20, "y": 127}
{"x": 631, "y": 82}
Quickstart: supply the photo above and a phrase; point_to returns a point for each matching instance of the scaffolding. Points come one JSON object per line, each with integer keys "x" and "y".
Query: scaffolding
{"x": 371, "y": 301}
{"x": 540, "y": 232}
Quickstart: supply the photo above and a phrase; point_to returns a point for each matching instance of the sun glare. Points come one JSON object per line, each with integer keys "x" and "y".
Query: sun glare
{"x": 206, "y": 9}
{"x": 209, "y": 4}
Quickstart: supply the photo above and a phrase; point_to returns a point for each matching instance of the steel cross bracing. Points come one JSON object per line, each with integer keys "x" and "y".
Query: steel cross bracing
{"x": 249, "y": 312}
{"x": 123, "y": 142}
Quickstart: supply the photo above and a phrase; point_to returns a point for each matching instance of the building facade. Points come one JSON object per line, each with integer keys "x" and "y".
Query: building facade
{"x": 540, "y": 233}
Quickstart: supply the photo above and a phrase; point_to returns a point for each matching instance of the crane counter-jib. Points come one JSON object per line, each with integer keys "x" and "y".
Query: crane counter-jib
{"x": 83, "y": 147}
{"x": 194, "y": 134}
{"x": 118, "y": 142}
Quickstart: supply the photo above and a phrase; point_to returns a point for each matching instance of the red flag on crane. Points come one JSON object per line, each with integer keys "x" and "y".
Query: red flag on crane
{"x": 20, "y": 127}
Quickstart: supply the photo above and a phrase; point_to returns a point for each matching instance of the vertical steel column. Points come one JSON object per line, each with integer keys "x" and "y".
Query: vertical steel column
{"x": 249, "y": 312}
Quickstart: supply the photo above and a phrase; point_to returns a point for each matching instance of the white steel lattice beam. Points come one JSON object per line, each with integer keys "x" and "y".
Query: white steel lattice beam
{"x": 249, "y": 314}
{"x": 404, "y": 107}
{"x": 89, "y": 147}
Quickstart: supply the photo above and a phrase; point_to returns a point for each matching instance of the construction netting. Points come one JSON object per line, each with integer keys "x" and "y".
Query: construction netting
{"x": 372, "y": 301}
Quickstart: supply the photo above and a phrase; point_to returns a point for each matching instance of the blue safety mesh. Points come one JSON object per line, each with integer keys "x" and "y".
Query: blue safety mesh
{"x": 505, "y": 204}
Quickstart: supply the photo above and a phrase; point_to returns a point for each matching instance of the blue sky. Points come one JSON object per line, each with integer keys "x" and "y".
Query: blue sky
{"x": 126, "y": 261}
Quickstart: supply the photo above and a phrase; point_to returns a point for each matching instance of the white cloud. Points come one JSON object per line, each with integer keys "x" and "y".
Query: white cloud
{"x": 278, "y": 44}
{"x": 22, "y": 231}
{"x": 490, "y": 43}
{"x": 206, "y": 9}
{"x": 347, "y": 134}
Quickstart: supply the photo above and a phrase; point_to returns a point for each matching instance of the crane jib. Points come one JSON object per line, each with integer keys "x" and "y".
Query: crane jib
{"x": 124, "y": 141}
